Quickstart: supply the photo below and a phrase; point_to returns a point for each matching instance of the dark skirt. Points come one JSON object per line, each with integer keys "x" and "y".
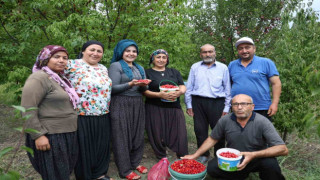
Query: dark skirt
{"x": 94, "y": 147}
{"x": 166, "y": 127}
{"x": 127, "y": 123}
{"x": 58, "y": 162}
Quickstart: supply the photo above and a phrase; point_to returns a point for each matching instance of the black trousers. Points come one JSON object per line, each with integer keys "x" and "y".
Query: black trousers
{"x": 58, "y": 162}
{"x": 127, "y": 131}
{"x": 264, "y": 113}
{"x": 268, "y": 169}
{"x": 166, "y": 127}
{"x": 94, "y": 147}
{"x": 207, "y": 111}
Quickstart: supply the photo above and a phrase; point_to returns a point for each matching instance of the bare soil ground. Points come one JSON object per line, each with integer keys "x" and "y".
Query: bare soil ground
{"x": 304, "y": 153}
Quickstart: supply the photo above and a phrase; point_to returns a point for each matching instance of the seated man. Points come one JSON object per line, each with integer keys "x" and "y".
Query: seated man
{"x": 251, "y": 134}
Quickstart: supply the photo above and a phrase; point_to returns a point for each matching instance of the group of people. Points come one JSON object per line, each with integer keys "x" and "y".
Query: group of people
{"x": 82, "y": 106}
{"x": 249, "y": 128}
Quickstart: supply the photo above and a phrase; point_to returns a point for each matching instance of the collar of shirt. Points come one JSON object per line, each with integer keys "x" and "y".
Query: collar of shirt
{"x": 239, "y": 61}
{"x": 212, "y": 65}
{"x": 234, "y": 118}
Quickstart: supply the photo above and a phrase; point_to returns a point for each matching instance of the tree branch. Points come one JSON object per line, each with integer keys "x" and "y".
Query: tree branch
{"x": 107, "y": 11}
{"x": 128, "y": 30}
{"x": 43, "y": 15}
{"x": 112, "y": 28}
{"x": 45, "y": 33}
{"x": 13, "y": 38}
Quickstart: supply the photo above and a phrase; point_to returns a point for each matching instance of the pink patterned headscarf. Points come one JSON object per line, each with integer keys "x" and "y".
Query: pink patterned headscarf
{"x": 41, "y": 64}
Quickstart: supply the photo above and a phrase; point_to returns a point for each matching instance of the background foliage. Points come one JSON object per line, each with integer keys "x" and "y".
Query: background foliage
{"x": 299, "y": 55}
{"x": 282, "y": 31}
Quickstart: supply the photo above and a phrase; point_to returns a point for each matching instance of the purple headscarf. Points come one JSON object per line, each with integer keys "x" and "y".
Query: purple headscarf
{"x": 159, "y": 51}
{"x": 41, "y": 64}
{"x": 45, "y": 54}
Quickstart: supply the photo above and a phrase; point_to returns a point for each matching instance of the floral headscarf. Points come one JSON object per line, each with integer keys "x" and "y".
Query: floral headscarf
{"x": 41, "y": 64}
{"x": 159, "y": 51}
{"x": 45, "y": 54}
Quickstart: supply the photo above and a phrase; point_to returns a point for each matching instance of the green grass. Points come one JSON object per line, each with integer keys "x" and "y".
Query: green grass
{"x": 303, "y": 161}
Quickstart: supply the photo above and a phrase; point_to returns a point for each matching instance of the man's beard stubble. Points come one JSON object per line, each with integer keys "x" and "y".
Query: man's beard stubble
{"x": 208, "y": 60}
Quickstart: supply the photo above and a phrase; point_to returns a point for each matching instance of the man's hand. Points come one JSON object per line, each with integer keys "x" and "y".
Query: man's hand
{"x": 190, "y": 112}
{"x": 224, "y": 113}
{"x": 42, "y": 143}
{"x": 248, "y": 156}
{"x": 191, "y": 156}
{"x": 273, "y": 109}
{"x": 274, "y": 151}
{"x": 276, "y": 91}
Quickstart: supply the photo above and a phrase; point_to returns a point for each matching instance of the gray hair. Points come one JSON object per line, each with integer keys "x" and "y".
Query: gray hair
{"x": 207, "y": 45}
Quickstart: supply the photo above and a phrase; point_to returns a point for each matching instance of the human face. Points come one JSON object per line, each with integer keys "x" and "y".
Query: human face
{"x": 58, "y": 61}
{"x": 130, "y": 54}
{"x": 208, "y": 54}
{"x": 246, "y": 51}
{"x": 242, "y": 112}
{"x": 93, "y": 54}
{"x": 160, "y": 61}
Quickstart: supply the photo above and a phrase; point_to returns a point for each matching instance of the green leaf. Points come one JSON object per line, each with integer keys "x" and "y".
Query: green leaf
{"x": 26, "y": 117}
{"x": 5, "y": 151}
{"x": 14, "y": 175}
{"x": 18, "y": 129}
{"x": 316, "y": 91}
{"x": 31, "y": 109}
{"x": 309, "y": 119}
{"x": 29, "y": 130}
{"x": 20, "y": 108}
{"x": 5, "y": 177}
{"x": 29, "y": 150}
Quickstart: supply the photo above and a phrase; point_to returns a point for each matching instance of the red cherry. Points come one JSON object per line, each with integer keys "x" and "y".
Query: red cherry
{"x": 188, "y": 166}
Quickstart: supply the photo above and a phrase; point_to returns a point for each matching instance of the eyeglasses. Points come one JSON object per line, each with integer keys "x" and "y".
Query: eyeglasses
{"x": 205, "y": 52}
{"x": 243, "y": 104}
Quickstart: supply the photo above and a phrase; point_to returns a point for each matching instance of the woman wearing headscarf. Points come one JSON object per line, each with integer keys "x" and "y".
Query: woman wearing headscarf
{"x": 127, "y": 109}
{"x": 55, "y": 119}
{"x": 93, "y": 85}
{"x": 165, "y": 121}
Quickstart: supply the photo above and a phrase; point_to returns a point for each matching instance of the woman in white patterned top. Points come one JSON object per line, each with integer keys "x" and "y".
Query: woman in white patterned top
{"x": 93, "y": 85}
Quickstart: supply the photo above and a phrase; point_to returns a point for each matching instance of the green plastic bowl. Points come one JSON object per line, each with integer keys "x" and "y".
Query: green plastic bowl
{"x": 180, "y": 176}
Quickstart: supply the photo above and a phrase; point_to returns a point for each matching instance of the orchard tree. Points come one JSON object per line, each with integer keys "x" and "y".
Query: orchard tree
{"x": 312, "y": 118}
{"x": 277, "y": 35}
{"x": 295, "y": 52}
{"x": 153, "y": 25}
{"x": 222, "y": 22}
{"x": 28, "y": 26}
